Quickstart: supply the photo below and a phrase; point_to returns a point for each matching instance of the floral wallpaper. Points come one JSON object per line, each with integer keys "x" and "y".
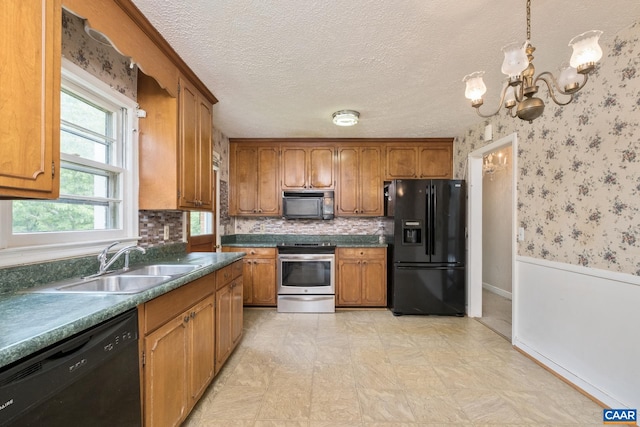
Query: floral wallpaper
{"x": 102, "y": 61}
{"x": 578, "y": 171}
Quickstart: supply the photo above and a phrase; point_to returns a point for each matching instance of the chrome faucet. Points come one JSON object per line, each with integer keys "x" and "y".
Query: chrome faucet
{"x": 104, "y": 264}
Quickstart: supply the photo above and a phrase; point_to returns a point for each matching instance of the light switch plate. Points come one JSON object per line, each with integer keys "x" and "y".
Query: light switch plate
{"x": 520, "y": 234}
{"x": 166, "y": 232}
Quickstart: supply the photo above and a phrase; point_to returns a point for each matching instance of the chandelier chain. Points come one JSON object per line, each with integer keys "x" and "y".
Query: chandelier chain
{"x": 528, "y": 19}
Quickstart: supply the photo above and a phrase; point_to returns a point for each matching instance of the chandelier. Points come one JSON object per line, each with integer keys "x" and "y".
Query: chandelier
{"x": 493, "y": 163}
{"x": 522, "y": 84}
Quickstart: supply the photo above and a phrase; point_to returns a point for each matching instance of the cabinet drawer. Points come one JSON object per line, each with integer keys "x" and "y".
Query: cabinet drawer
{"x": 167, "y": 306}
{"x": 253, "y": 252}
{"x": 228, "y": 273}
{"x": 362, "y": 253}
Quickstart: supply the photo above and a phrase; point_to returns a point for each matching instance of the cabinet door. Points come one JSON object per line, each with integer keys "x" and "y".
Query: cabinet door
{"x": 268, "y": 181}
{"x": 188, "y": 145}
{"x": 205, "y": 154}
{"x": 223, "y": 328}
{"x": 247, "y": 280}
{"x": 401, "y": 162}
{"x": 436, "y": 162}
{"x": 374, "y": 283}
{"x": 30, "y": 98}
{"x": 202, "y": 331}
{"x": 165, "y": 385}
{"x": 264, "y": 281}
{"x": 370, "y": 182}
{"x": 244, "y": 185}
{"x": 236, "y": 310}
{"x": 294, "y": 168}
{"x": 321, "y": 167}
{"x": 349, "y": 281}
{"x": 348, "y": 166}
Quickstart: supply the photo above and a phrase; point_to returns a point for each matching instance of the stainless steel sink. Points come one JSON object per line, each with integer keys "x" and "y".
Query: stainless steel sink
{"x": 163, "y": 269}
{"x": 119, "y": 284}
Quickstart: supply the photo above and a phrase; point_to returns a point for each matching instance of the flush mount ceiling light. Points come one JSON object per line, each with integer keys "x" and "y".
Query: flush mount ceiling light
{"x": 346, "y": 117}
{"x": 521, "y": 83}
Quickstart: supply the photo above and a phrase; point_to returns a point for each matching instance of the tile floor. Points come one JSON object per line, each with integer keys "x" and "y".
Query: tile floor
{"x": 369, "y": 368}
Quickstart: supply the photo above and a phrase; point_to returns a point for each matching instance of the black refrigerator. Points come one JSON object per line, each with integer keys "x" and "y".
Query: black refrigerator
{"x": 429, "y": 241}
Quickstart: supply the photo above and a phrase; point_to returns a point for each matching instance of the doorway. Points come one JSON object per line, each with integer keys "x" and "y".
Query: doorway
{"x": 475, "y": 224}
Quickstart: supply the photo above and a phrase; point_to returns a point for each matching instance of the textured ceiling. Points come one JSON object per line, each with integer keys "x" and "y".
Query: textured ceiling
{"x": 281, "y": 68}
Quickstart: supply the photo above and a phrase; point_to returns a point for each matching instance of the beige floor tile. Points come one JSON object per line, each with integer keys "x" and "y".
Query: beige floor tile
{"x": 490, "y": 407}
{"x": 333, "y": 375}
{"x": 384, "y": 405}
{"x": 419, "y": 377}
{"x": 435, "y": 406}
{"x": 286, "y": 403}
{"x": 234, "y": 403}
{"x": 376, "y": 376}
{"x": 335, "y": 404}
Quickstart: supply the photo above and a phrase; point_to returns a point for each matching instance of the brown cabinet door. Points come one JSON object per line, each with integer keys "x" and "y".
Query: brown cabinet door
{"x": 374, "y": 283}
{"x": 30, "y": 98}
{"x": 401, "y": 162}
{"x": 236, "y": 310}
{"x": 268, "y": 181}
{"x": 349, "y": 282}
{"x": 188, "y": 145}
{"x": 348, "y": 173}
{"x": 264, "y": 281}
{"x": 321, "y": 167}
{"x": 436, "y": 162}
{"x": 202, "y": 331}
{"x": 370, "y": 182}
{"x": 165, "y": 386}
{"x": 294, "y": 168}
{"x": 223, "y": 322}
{"x": 205, "y": 154}
{"x": 247, "y": 280}
{"x": 243, "y": 164}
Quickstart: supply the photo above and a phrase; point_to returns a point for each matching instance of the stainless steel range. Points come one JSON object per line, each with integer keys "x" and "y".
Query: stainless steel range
{"x": 306, "y": 278}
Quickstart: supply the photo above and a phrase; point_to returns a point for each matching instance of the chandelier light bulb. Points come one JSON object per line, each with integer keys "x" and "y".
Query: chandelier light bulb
{"x": 515, "y": 59}
{"x": 475, "y": 86}
{"x": 586, "y": 49}
{"x": 569, "y": 80}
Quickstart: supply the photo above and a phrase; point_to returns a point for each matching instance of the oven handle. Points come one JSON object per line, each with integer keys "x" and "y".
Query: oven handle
{"x": 307, "y": 257}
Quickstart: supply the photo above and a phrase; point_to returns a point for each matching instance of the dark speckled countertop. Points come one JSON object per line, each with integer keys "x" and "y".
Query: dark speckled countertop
{"x": 32, "y": 321}
{"x": 271, "y": 240}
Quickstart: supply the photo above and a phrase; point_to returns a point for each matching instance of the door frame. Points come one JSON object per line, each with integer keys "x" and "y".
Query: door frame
{"x": 474, "y": 225}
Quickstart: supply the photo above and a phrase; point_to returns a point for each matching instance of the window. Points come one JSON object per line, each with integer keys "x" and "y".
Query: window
{"x": 200, "y": 223}
{"x": 98, "y": 173}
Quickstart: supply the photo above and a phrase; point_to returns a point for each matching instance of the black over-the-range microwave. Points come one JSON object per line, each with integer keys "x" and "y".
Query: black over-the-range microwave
{"x": 307, "y": 204}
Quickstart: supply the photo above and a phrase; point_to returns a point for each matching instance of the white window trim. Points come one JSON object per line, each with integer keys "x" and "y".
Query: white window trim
{"x": 82, "y": 243}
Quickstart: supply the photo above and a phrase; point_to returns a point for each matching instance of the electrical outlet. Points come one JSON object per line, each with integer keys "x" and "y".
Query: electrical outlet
{"x": 521, "y": 234}
{"x": 166, "y": 232}
{"x": 262, "y": 228}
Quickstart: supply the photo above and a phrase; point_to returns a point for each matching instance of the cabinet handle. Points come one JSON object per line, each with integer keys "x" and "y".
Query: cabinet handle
{"x": 193, "y": 314}
{"x": 186, "y": 319}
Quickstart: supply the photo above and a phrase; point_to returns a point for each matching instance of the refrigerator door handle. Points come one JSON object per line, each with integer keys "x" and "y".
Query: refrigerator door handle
{"x": 434, "y": 202}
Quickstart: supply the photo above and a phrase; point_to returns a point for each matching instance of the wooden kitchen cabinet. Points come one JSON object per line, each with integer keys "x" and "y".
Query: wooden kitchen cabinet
{"x": 361, "y": 277}
{"x": 178, "y": 330}
{"x": 307, "y": 167}
{"x": 259, "y": 275}
{"x": 432, "y": 159}
{"x": 30, "y": 99}
{"x": 228, "y": 311}
{"x": 254, "y": 185}
{"x": 175, "y": 144}
{"x": 359, "y": 181}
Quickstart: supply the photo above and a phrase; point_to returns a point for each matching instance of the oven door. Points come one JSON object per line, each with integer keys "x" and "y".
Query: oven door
{"x": 306, "y": 274}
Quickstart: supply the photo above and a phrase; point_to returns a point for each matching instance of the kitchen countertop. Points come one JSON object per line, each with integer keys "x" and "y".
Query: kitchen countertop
{"x": 32, "y": 321}
{"x": 271, "y": 240}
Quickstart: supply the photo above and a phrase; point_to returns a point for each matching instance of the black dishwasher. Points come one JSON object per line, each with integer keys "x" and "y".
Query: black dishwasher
{"x": 90, "y": 379}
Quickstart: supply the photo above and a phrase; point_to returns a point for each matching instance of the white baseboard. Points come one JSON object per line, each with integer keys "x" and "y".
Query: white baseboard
{"x": 496, "y": 290}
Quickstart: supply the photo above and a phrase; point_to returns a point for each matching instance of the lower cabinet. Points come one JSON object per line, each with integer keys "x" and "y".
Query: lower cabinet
{"x": 361, "y": 277}
{"x": 228, "y": 312}
{"x": 186, "y": 336}
{"x": 259, "y": 275}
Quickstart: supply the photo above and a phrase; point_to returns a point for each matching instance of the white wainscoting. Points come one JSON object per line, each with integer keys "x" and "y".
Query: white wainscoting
{"x": 584, "y": 324}
{"x": 496, "y": 290}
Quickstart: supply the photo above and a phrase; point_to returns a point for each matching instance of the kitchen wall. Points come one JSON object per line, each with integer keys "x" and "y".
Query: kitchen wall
{"x": 496, "y": 227}
{"x": 579, "y": 166}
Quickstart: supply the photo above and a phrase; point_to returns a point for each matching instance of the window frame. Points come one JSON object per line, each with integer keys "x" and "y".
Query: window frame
{"x": 37, "y": 247}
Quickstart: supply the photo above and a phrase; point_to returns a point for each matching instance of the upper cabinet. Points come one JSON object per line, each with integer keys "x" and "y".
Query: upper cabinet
{"x": 307, "y": 167}
{"x": 175, "y": 147}
{"x": 359, "y": 181}
{"x": 30, "y": 99}
{"x": 412, "y": 160}
{"x": 254, "y": 179}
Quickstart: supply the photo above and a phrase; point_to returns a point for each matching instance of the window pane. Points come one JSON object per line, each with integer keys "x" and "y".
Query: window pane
{"x": 85, "y": 115}
{"x": 87, "y": 183}
{"x": 62, "y": 215}
{"x": 84, "y": 147}
{"x": 201, "y": 223}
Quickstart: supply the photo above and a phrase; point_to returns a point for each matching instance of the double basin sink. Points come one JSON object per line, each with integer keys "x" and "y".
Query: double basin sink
{"x": 125, "y": 282}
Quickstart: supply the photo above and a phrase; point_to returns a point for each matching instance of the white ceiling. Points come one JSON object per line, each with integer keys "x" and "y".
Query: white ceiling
{"x": 281, "y": 68}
